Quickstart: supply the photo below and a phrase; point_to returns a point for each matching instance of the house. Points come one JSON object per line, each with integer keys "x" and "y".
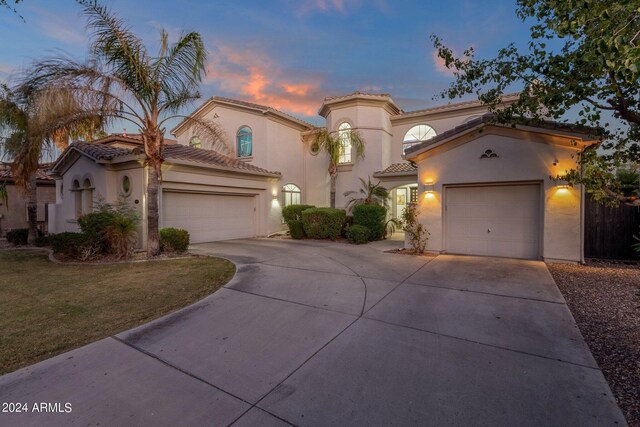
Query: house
{"x": 271, "y": 164}
{"x": 14, "y": 214}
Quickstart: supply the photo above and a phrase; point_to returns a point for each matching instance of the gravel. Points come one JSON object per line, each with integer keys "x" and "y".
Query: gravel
{"x": 604, "y": 298}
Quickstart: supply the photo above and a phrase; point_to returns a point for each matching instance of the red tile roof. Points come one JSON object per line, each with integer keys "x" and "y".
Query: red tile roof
{"x": 7, "y": 174}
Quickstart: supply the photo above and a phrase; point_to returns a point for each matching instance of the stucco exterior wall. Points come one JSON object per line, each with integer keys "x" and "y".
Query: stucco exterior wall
{"x": 14, "y": 215}
{"x": 520, "y": 160}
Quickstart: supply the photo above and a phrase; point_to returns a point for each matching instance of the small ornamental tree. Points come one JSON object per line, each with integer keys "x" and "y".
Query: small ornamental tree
{"x": 582, "y": 56}
{"x": 416, "y": 232}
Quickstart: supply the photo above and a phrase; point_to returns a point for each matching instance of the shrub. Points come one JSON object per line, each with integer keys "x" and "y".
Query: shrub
{"x": 294, "y": 212}
{"x": 323, "y": 223}
{"x": 41, "y": 241}
{"x": 417, "y": 233}
{"x": 18, "y": 236}
{"x": 174, "y": 239}
{"x": 358, "y": 234}
{"x": 373, "y": 217}
{"x": 75, "y": 245}
{"x": 296, "y": 229}
{"x": 112, "y": 227}
{"x": 348, "y": 222}
{"x": 292, "y": 216}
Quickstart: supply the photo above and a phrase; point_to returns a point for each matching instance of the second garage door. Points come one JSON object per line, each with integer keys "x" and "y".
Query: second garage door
{"x": 500, "y": 220}
{"x": 209, "y": 217}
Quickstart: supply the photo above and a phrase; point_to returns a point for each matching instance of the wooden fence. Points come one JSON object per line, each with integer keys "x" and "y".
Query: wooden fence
{"x": 608, "y": 231}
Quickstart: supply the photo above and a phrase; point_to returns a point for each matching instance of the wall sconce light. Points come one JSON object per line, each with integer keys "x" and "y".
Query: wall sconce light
{"x": 429, "y": 187}
{"x": 562, "y": 183}
{"x": 275, "y": 197}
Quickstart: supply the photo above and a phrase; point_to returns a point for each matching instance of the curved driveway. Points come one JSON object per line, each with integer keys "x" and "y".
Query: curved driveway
{"x": 315, "y": 333}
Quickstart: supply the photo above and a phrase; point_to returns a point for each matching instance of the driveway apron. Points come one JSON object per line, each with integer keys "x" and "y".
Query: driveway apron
{"x": 321, "y": 333}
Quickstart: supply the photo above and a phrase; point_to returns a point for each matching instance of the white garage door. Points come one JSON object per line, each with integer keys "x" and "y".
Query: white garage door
{"x": 209, "y": 217}
{"x": 493, "y": 220}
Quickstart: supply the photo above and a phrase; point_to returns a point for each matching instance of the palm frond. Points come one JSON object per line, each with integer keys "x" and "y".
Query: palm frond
{"x": 208, "y": 131}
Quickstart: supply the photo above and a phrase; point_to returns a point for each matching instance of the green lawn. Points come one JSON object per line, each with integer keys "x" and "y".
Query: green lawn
{"x": 48, "y": 308}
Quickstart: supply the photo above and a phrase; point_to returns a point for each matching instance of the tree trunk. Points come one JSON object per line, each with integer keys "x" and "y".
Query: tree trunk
{"x": 153, "y": 239}
{"x": 32, "y": 209}
{"x": 333, "y": 189}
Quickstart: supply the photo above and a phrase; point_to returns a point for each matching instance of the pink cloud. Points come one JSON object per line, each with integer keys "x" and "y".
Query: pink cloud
{"x": 306, "y": 7}
{"x": 250, "y": 74}
{"x": 440, "y": 65}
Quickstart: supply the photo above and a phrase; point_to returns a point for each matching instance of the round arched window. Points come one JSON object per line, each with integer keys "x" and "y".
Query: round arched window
{"x": 416, "y": 135}
{"x": 344, "y": 135}
{"x": 291, "y": 193}
{"x": 244, "y": 142}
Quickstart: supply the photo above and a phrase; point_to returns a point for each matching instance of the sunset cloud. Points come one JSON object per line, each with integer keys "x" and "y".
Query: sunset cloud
{"x": 440, "y": 65}
{"x": 250, "y": 74}
{"x": 58, "y": 26}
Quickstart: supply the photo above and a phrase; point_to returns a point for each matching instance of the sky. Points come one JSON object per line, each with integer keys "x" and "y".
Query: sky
{"x": 287, "y": 54}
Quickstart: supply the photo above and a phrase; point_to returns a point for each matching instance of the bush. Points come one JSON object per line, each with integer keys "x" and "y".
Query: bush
{"x": 174, "y": 239}
{"x": 416, "y": 232}
{"x": 294, "y": 212}
{"x": 296, "y": 229}
{"x": 18, "y": 236}
{"x": 112, "y": 227}
{"x": 292, "y": 216}
{"x": 323, "y": 223}
{"x": 358, "y": 234}
{"x": 373, "y": 217}
{"x": 75, "y": 245}
{"x": 348, "y": 222}
{"x": 41, "y": 241}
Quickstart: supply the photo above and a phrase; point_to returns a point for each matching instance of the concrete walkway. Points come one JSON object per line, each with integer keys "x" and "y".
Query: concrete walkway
{"x": 314, "y": 333}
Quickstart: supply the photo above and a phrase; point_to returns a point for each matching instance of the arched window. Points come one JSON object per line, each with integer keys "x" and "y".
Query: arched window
{"x": 77, "y": 198}
{"x": 291, "y": 193}
{"x": 416, "y": 135}
{"x": 195, "y": 142}
{"x": 87, "y": 197}
{"x": 244, "y": 142}
{"x": 344, "y": 136}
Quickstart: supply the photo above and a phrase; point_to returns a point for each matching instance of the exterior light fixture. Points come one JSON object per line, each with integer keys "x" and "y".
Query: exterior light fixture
{"x": 429, "y": 187}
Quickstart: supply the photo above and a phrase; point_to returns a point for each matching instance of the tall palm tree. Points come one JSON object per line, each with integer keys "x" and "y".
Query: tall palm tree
{"x": 332, "y": 143}
{"x": 369, "y": 194}
{"x": 28, "y": 123}
{"x": 122, "y": 81}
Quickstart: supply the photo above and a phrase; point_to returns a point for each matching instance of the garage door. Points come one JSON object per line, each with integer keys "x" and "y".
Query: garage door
{"x": 209, "y": 217}
{"x": 493, "y": 220}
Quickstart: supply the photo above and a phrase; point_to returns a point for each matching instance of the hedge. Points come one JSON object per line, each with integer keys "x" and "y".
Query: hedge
{"x": 294, "y": 212}
{"x": 296, "y": 229}
{"x": 71, "y": 244}
{"x": 174, "y": 239}
{"x": 358, "y": 234}
{"x": 18, "y": 236}
{"x": 323, "y": 223}
{"x": 373, "y": 217}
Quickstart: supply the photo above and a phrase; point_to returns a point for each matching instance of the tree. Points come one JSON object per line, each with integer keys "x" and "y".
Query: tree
{"x": 332, "y": 144}
{"x": 582, "y": 55}
{"x": 30, "y": 121}
{"x": 369, "y": 194}
{"x": 121, "y": 80}
{"x": 6, "y": 4}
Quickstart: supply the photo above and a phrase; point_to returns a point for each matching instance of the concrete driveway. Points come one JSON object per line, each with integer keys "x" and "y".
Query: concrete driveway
{"x": 314, "y": 333}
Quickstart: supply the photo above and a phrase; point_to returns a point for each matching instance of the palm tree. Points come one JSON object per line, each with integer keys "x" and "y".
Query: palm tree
{"x": 333, "y": 143}
{"x": 28, "y": 123}
{"x": 369, "y": 194}
{"x": 122, "y": 81}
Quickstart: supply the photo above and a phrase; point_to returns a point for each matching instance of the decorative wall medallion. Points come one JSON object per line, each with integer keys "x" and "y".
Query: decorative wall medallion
{"x": 488, "y": 154}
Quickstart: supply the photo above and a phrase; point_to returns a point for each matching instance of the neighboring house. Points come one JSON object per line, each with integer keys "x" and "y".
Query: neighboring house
{"x": 14, "y": 215}
{"x": 271, "y": 165}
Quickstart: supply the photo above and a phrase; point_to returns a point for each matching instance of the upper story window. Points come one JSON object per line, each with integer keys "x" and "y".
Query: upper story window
{"x": 195, "y": 142}
{"x": 244, "y": 142}
{"x": 344, "y": 136}
{"x": 416, "y": 135}
{"x": 291, "y": 194}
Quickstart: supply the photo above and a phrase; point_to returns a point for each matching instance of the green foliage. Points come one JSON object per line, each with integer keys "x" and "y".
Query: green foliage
{"x": 369, "y": 194}
{"x": 373, "y": 217}
{"x": 112, "y": 227}
{"x": 416, "y": 232}
{"x": 294, "y": 212}
{"x": 391, "y": 226}
{"x": 629, "y": 181}
{"x": 348, "y": 222}
{"x": 323, "y": 223}
{"x": 296, "y": 229}
{"x": 636, "y": 246}
{"x": 582, "y": 56}
{"x": 174, "y": 239}
{"x": 358, "y": 234}
{"x": 41, "y": 241}
{"x": 18, "y": 236}
{"x": 292, "y": 216}
{"x": 74, "y": 245}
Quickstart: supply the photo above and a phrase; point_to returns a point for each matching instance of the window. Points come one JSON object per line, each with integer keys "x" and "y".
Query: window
{"x": 126, "y": 185}
{"x": 77, "y": 199}
{"x": 416, "y": 135}
{"x": 413, "y": 194}
{"x": 291, "y": 194}
{"x": 195, "y": 142}
{"x": 344, "y": 136}
{"x": 87, "y": 197}
{"x": 244, "y": 142}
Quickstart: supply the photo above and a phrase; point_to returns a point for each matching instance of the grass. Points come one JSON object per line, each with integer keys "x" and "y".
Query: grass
{"x": 49, "y": 308}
